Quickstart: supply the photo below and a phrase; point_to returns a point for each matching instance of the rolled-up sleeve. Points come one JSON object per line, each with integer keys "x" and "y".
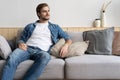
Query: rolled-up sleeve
{"x": 62, "y": 34}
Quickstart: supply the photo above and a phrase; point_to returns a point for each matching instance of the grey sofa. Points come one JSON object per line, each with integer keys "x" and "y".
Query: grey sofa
{"x": 75, "y": 68}
{"x": 85, "y": 67}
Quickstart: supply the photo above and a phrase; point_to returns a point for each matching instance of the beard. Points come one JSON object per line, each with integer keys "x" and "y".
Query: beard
{"x": 45, "y": 18}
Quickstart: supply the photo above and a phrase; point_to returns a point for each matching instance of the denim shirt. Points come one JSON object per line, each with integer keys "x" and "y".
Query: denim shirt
{"x": 56, "y": 32}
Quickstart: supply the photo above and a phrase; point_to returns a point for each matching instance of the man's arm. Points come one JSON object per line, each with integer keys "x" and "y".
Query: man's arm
{"x": 64, "y": 49}
{"x": 68, "y": 41}
{"x": 23, "y": 38}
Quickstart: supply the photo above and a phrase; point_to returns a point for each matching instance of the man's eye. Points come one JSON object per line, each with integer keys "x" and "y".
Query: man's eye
{"x": 44, "y": 11}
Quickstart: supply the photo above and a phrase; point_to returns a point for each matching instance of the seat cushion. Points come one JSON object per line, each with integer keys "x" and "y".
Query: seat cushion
{"x": 54, "y": 70}
{"x": 55, "y": 65}
{"x": 2, "y": 62}
{"x": 93, "y": 67}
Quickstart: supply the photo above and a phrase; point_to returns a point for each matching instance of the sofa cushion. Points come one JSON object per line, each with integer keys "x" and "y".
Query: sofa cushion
{"x": 92, "y": 67}
{"x": 12, "y": 43}
{"x": 100, "y": 41}
{"x": 54, "y": 66}
{"x": 56, "y": 48}
{"x": 19, "y": 33}
{"x": 54, "y": 70}
{"x": 5, "y": 49}
{"x": 76, "y": 36}
{"x": 75, "y": 49}
{"x": 2, "y": 62}
{"x": 116, "y": 44}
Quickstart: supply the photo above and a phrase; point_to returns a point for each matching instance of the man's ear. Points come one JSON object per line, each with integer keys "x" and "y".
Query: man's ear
{"x": 38, "y": 14}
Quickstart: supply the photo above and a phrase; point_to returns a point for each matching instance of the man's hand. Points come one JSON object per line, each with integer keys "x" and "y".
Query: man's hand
{"x": 64, "y": 50}
{"x": 22, "y": 46}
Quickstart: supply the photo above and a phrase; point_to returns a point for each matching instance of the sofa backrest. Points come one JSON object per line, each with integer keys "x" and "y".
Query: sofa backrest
{"x": 11, "y": 32}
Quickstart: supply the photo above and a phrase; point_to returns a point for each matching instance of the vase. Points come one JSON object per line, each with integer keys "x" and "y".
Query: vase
{"x": 103, "y": 19}
{"x": 97, "y": 23}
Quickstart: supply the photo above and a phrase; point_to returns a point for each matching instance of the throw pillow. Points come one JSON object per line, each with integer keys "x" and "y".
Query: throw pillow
{"x": 57, "y": 47}
{"x": 75, "y": 49}
{"x": 100, "y": 41}
{"x": 116, "y": 44}
{"x": 5, "y": 49}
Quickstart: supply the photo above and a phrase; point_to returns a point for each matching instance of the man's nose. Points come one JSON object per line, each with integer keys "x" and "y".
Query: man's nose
{"x": 48, "y": 13}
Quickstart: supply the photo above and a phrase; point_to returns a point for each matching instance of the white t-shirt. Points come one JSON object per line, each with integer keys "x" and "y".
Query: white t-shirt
{"x": 41, "y": 37}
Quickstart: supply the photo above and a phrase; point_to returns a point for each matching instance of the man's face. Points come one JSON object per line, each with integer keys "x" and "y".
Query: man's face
{"x": 45, "y": 13}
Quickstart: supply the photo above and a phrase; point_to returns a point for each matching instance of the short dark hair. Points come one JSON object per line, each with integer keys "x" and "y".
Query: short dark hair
{"x": 39, "y": 7}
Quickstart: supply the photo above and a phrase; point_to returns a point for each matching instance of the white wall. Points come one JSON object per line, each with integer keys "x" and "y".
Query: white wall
{"x": 72, "y": 13}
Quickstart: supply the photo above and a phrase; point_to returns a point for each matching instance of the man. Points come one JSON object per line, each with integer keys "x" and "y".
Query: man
{"x": 35, "y": 42}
